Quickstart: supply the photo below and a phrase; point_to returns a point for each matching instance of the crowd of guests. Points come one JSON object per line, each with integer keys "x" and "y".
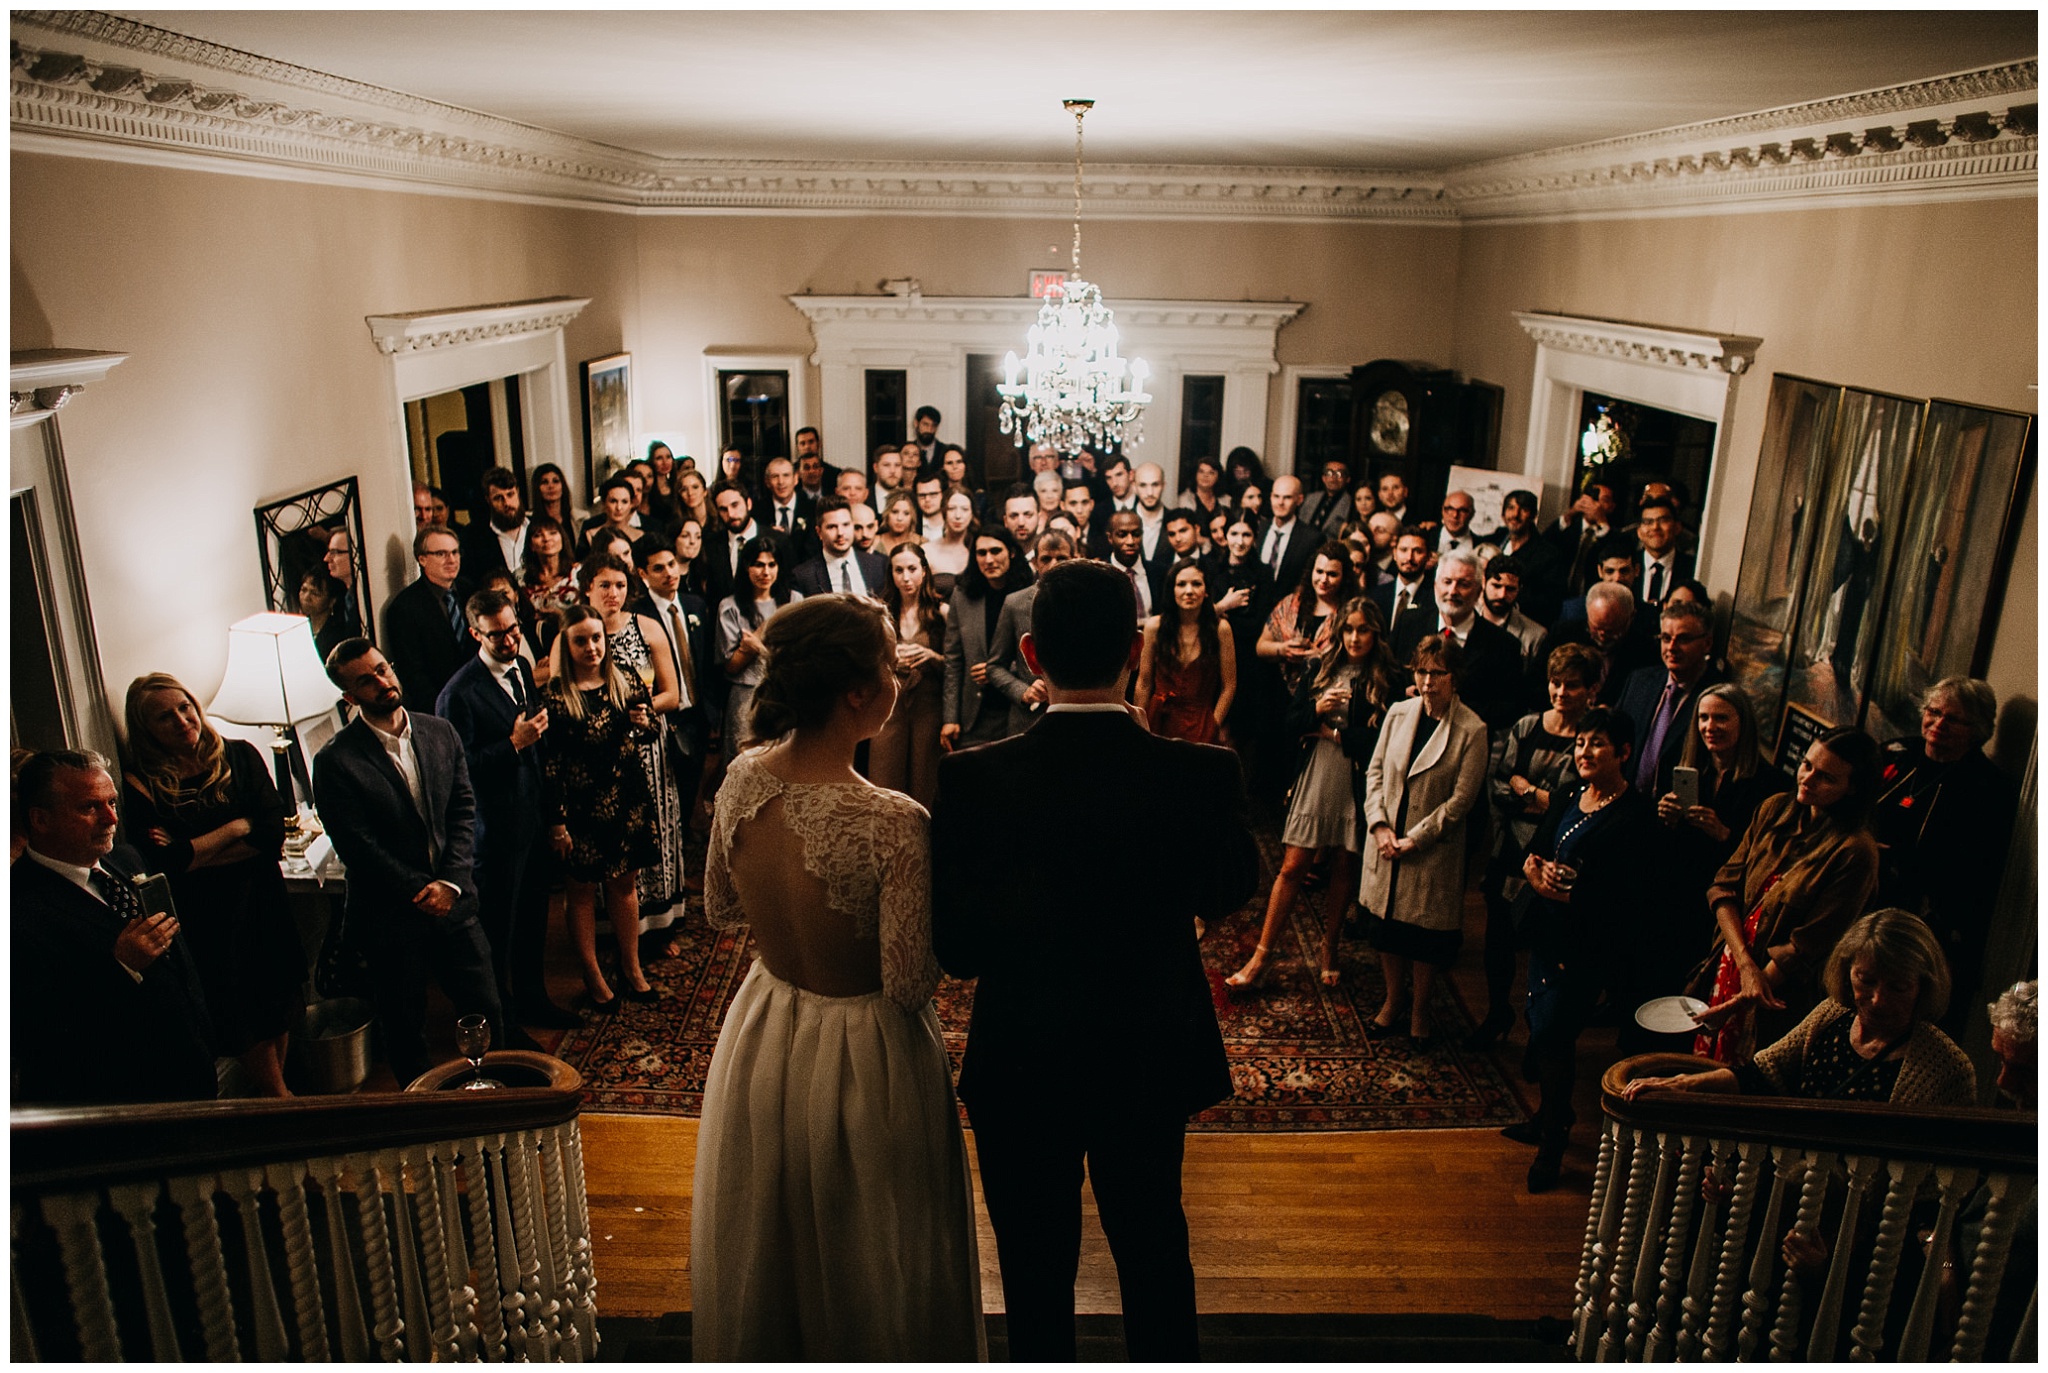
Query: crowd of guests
{"x": 549, "y": 707}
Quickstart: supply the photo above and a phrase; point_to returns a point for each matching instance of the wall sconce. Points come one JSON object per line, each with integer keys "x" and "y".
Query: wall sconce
{"x": 275, "y": 678}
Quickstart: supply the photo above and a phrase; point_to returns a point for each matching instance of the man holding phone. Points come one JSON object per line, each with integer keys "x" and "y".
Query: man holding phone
{"x": 107, "y": 1000}
{"x": 498, "y": 716}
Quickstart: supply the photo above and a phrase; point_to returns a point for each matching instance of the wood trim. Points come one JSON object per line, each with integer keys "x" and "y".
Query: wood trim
{"x": 2005, "y": 1141}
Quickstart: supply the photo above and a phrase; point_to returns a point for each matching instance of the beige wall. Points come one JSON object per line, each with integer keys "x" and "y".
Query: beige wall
{"x": 253, "y": 375}
{"x": 1920, "y": 300}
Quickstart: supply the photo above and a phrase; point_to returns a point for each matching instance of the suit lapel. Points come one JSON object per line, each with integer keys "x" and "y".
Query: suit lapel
{"x": 1433, "y": 749}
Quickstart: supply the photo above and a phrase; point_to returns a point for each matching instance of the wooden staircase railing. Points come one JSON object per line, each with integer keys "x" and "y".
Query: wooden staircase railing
{"x": 415, "y": 1226}
{"x": 1671, "y": 1271}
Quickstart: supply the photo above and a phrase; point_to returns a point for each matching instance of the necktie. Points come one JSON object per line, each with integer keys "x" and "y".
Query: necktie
{"x": 1660, "y": 723}
{"x": 516, "y": 680}
{"x": 454, "y": 612}
{"x": 845, "y": 580}
{"x": 782, "y": 518}
{"x": 679, "y": 638}
{"x": 1139, "y": 589}
{"x": 1655, "y": 594}
{"x": 119, "y": 896}
{"x": 1401, "y": 601}
{"x": 1279, "y": 545}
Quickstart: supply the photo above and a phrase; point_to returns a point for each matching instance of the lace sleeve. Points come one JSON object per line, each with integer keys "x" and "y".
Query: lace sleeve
{"x": 747, "y": 786}
{"x": 910, "y": 971}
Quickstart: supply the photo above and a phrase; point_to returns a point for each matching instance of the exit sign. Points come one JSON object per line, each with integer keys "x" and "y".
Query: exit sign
{"x": 1048, "y": 285}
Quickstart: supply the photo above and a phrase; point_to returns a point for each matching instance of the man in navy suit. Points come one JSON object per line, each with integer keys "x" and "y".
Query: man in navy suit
{"x": 1491, "y": 680}
{"x": 687, "y": 624}
{"x": 423, "y": 623}
{"x": 838, "y": 565}
{"x": 107, "y": 1001}
{"x": 498, "y": 715}
{"x": 393, "y": 789}
{"x": 1127, "y": 555}
{"x": 1095, "y": 1062}
{"x": 1663, "y": 698}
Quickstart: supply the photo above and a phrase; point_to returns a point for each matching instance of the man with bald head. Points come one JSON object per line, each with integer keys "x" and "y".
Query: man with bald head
{"x": 1149, "y": 485}
{"x": 1611, "y": 628}
{"x": 1287, "y": 543}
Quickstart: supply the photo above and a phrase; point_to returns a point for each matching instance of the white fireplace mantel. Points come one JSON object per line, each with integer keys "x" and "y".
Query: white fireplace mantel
{"x": 1692, "y": 372}
{"x": 931, "y": 338}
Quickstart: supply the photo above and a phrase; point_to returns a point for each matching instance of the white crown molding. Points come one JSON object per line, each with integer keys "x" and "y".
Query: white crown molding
{"x": 1204, "y": 314}
{"x": 90, "y": 84}
{"x": 41, "y": 381}
{"x": 1682, "y": 349}
{"x": 426, "y": 330}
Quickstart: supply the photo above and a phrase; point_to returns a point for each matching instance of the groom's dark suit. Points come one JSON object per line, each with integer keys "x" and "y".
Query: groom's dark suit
{"x": 1094, "y": 1034}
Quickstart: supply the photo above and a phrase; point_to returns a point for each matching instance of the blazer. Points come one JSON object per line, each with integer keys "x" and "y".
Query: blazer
{"x": 693, "y": 727}
{"x": 422, "y": 642}
{"x": 1681, "y": 569}
{"x": 1441, "y": 783}
{"x": 967, "y": 643}
{"x": 1607, "y": 918}
{"x": 1543, "y": 575}
{"x": 1129, "y": 1029}
{"x": 482, "y": 554}
{"x": 1008, "y": 674}
{"x": 1423, "y": 599}
{"x": 506, "y": 781}
{"x": 84, "y": 1030}
{"x": 1327, "y": 512}
{"x": 1155, "y": 578}
{"x": 811, "y": 577}
{"x": 1635, "y": 650}
{"x": 1492, "y": 679}
{"x": 380, "y": 836}
{"x": 1640, "y": 694}
{"x": 1302, "y": 544}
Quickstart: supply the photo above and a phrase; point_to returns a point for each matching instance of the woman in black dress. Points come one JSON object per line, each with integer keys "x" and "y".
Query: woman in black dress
{"x": 203, "y": 811}
{"x": 598, "y": 803}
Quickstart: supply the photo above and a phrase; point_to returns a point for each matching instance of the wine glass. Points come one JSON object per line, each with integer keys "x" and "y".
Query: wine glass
{"x": 473, "y": 1038}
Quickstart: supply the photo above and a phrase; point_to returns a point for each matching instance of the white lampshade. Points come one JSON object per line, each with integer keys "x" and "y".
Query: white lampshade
{"x": 274, "y": 674}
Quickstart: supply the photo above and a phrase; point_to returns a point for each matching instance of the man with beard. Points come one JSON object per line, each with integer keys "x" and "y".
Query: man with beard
{"x": 735, "y": 525}
{"x": 1501, "y": 605}
{"x": 1492, "y": 677}
{"x": 1408, "y": 591}
{"x": 1542, "y": 569}
{"x": 499, "y": 543}
{"x": 393, "y": 788}
{"x": 925, "y": 434}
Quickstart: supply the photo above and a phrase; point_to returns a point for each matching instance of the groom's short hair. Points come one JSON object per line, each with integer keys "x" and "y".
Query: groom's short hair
{"x": 1083, "y": 618}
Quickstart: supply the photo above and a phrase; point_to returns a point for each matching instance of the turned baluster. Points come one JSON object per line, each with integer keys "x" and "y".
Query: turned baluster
{"x": 461, "y": 1296}
{"x": 1756, "y": 1301}
{"x": 1592, "y": 1254}
{"x": 348, "y": 1305}
{"x": 490, "y": 1312}
{"x": 412, "y": 1299}
{"x": 1827, "y": 1315}
{"x": 544, "y": 1254}
{"x": 375, "y": 1233}
{"x": 135, "y": 1203}
{"x": 525, "y": 1225}
{"x": 511, "y": 1265}
{"x": 586, "y": 1273}
{"x": 73, "y": 1216}
{"x": 1699, "y": 1282}
{"x": 301, "y": 1259}
{"x": 1683, "y": 1200}
{"x": 563, "y": 1283}
{"x": 1634, "y": 1209}
{"x": 1867, "y": 1336}
{"x": 194, "y": 1196}
{"x": 1719, "y": 1340}
{"x": 433, "y": 1240}
{"x": 23, "y": 1341}
{"x": 1642, "y": 1305}
{"x": 1986, "y": 1268}
{"x": 244, "y": 1186}
{"x": 1955, "y": 1184}
{"x": 1820, "y": 1169}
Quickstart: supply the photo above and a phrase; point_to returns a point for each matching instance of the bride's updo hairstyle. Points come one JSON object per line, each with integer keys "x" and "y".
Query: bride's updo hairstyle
{"x": 818, "y": 650}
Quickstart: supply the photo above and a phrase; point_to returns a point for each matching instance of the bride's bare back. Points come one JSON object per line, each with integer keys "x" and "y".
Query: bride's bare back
{"x": 833, "y": 877}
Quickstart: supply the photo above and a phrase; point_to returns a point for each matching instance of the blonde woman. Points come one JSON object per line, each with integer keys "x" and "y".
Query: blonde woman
{"x": 899, "y": 524}
{"x": 203, "y": 811}
{"x": 596, "y": 795}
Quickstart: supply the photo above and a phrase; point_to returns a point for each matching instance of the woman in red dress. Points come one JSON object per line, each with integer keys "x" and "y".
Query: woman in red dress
{"x": 1187, "y": 672}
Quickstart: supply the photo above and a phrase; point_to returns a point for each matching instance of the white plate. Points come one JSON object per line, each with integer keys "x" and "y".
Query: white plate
{"x": 1670, "y": 1015}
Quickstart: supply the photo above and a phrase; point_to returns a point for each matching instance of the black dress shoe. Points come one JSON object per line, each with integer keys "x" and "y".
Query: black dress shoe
{"x": 590, "y": 1003}
{"x": 1528, "y": 1131}
{"x": 546, "y": 1015}
{"x": 646, "y": 998}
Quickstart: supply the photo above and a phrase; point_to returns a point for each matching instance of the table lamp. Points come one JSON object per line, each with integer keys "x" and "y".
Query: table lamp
{"x": 275, "y": 678}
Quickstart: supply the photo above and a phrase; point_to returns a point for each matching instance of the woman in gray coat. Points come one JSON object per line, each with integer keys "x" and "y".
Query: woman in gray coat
{"x": 1427, "y": 773}
{"x": 970, "y": 715}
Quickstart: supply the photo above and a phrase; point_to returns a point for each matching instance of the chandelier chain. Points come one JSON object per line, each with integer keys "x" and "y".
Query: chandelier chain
{"x": 1079, "y": 111}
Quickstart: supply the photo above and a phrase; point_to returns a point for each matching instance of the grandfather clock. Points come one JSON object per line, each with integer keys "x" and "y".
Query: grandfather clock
{"x": 1420, "y": 421}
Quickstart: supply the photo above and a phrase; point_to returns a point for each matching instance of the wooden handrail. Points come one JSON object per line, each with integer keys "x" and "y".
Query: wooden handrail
{"x": 1979, "y": 1138}
{"x": 68, "y": 1147}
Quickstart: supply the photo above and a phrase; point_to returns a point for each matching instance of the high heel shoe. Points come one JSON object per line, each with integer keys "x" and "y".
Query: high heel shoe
{"x": 1248, "y": 977}
{"x": 1375, "y": 1030}
{"x": 645, "y": 996}
{"x": 590, "y": 1003}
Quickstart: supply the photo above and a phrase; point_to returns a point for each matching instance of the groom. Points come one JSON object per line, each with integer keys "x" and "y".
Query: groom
{"x": 1094, "y": 1035}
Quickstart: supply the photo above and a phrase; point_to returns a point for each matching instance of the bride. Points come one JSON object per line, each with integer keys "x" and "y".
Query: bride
{"x": 832, "y": 1215}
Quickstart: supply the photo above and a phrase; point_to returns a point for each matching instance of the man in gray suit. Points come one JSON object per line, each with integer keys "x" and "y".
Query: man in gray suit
{"x": 393, "y": 789}
{"x": 1009, "y": 676}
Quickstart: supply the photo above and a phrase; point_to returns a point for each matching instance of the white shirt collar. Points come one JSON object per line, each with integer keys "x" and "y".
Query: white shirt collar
{"x": 70, "y": 872}
{"x": 1086, "y": 708}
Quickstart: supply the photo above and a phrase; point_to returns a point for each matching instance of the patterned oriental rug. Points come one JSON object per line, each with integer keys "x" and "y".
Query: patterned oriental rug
{"x": 1299, "y": 1057}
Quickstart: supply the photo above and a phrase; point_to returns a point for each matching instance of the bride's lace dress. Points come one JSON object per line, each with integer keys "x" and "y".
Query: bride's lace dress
{"x": 832, "y": 1217}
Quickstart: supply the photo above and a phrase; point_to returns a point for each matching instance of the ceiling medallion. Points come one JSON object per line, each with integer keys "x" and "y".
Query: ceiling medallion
{"x": 1077, "y": 393}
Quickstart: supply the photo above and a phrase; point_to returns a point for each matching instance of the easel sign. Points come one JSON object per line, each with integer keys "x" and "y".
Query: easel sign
{"x": 1487, "y": 488}
{"x": 1802, "y": 728}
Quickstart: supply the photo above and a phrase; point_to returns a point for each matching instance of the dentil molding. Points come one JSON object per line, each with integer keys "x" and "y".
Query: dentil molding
{"x": 91, "y": 84}
{"x": 1681, "y": 349}
{"x": 1249, "y": 314}
{"x": 425, "y": 330}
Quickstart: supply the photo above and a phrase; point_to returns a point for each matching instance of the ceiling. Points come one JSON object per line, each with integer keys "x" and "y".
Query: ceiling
{"x": 1387, "y": 90}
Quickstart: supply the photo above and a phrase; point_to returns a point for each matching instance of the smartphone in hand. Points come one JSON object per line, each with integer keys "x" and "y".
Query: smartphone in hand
{"x": 1685, "y": 784}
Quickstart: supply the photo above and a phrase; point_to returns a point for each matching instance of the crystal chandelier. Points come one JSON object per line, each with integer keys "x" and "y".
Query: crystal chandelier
{"x": 1077, "y": 392}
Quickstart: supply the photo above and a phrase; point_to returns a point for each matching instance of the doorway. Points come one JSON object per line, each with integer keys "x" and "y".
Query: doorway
{"x": 452, "y": 439}
{"x": 1656, "y": 446}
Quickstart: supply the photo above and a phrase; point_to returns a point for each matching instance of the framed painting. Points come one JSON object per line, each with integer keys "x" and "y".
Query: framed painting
{"x": 1778, "y": 545}
{"x": 314, "y": 532}
{"x": 1961, "y": 523}
{"x": 607, "y": 419}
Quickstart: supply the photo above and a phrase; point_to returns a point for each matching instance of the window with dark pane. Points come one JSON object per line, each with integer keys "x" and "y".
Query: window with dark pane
{"x": 887, "y": 416}
{"x": 753, "y": 416}
{"x": 1201, "y": 420}
{"x": 1322, "y": 422}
